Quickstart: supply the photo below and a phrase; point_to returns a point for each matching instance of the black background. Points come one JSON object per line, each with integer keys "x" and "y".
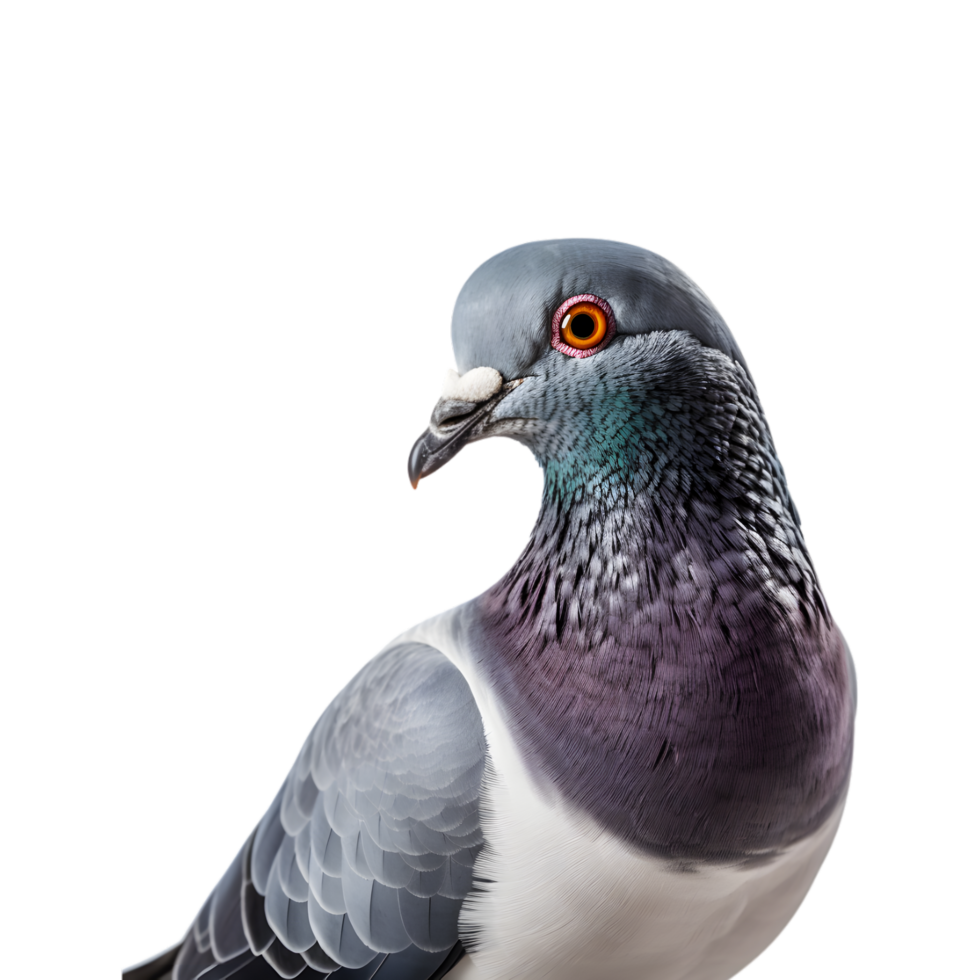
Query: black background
{"x": 270, "y": 543}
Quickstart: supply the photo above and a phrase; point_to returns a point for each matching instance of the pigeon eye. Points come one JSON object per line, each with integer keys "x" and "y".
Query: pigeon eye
{"x": 582, "y": 326}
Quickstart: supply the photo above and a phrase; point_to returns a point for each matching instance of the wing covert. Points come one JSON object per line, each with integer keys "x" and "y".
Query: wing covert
{"x": 360, "y": 866}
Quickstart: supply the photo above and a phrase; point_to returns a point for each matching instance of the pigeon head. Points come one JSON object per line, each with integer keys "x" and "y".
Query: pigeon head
{"x": 605, "y": 359}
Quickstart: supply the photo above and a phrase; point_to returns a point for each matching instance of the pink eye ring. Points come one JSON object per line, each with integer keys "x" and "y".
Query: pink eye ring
{"x": 582, "y": 326}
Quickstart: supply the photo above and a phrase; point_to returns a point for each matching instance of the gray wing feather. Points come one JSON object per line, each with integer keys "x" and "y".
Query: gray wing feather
{"x": 427, "y": 920}
{"x": 393, "y": 871}
{"x": 284, "y": 961}
{"x": 415, "y": 856}
{"x": 319, "y": 960}
{"x": 366, "y": 854}
{"x": 254, "y": 923}
{"x": 353, "y": 850}
{"x": 225, "y": 922}
{"x": 302, "y": 844}
{"x": 268, "y": 837}
{"x": 326, "y": 846}
{"x": 337, "y": 938}
{"x": 328, "y": 892}
{"x": 291, "y": 879}
{"x": 459, "y": 876}
{"x": 425, "y": 884}
{"x": 289, "y": 919}
{"x": 373, "y": 911}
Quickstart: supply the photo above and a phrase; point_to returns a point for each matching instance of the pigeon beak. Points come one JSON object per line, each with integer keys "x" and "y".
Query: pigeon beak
{"x": 456, "y": 421}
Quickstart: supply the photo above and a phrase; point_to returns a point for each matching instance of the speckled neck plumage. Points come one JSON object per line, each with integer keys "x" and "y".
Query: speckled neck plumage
{"x": 662, "y": 644}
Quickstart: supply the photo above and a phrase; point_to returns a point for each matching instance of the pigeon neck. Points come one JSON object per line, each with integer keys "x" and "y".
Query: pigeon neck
{"x": 613, "y": 541}
{"x": 654, "y": 490}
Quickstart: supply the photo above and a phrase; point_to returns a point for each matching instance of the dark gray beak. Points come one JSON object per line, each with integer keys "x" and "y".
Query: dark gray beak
{"x": 454, "y": 423}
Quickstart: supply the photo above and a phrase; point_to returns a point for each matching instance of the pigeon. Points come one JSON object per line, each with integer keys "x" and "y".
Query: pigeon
{"x": 628, "y": 758}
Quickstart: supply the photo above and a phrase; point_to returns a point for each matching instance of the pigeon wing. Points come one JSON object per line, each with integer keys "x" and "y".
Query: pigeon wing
{"x": 360, "y": 866}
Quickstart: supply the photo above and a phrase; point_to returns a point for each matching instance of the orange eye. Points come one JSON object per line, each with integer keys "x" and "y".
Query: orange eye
{"x": 582, "y": 326}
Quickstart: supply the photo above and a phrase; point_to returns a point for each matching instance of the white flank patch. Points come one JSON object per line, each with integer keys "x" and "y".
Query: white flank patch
{"x": 570, "y": 900}
{"x": 474, "y": 386}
